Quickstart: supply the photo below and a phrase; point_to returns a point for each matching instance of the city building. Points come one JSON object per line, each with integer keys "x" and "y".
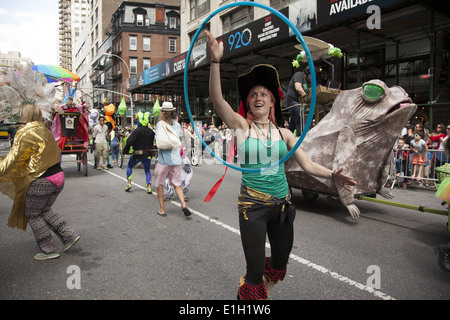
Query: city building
{"x": 402, "y": 42}
{"x": 121, "y": 39}
{"x": 91, "y": 37}
{"x": 140, "y": 35}
{"x": 65, "y": 34}
{"x": 13, "y": 58}
{"x": 73, "y": 16}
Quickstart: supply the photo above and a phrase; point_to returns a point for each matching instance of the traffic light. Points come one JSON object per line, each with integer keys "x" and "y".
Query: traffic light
{"x": 425, "y": 76}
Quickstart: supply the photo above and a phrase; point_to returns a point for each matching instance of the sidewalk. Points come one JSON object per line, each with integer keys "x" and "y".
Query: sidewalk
{"x": 4, "y": 145}
{"x": 416, "y": 195}
{"x": 426, "y": 185}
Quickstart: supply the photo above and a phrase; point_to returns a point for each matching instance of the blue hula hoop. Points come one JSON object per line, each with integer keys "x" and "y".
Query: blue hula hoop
{"x": 313, "y": 80}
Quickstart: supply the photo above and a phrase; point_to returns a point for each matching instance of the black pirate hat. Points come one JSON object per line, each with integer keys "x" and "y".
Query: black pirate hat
{"x": 265, "y": 75}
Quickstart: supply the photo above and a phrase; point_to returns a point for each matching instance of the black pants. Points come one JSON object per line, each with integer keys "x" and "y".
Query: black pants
{"x": 294, "y": 122}
{"x": 257, "y": 221}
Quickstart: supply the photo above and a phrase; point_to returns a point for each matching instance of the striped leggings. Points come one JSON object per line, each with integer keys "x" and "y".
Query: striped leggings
{"x": 38, "y": 202}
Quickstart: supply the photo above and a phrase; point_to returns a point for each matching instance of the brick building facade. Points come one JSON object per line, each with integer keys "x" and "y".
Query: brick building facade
{"x": 140, "y": 35}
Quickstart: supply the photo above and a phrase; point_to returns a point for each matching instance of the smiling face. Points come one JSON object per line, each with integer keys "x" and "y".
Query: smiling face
{"x": 260, "y": 102}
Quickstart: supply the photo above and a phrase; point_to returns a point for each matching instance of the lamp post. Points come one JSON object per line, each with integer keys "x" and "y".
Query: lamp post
{"x": 129, "y": 76}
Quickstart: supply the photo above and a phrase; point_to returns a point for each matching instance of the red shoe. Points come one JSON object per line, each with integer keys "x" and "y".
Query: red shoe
{"x": 273, "y": 275}
{"x": 249, "y": 291}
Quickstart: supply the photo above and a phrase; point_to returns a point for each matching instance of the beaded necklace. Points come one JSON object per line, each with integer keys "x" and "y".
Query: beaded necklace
{"x": 268, "y": 137}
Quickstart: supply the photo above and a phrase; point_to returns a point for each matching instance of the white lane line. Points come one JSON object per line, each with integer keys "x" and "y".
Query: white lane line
{"x": 294, "y": 257}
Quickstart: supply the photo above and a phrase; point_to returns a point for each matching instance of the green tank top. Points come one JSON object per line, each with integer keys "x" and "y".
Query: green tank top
{"x": 254, "y": 155}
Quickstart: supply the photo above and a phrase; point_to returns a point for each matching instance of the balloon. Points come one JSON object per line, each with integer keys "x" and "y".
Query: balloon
{"x": 156, "y": 109}
{"x": 122, "y": 107}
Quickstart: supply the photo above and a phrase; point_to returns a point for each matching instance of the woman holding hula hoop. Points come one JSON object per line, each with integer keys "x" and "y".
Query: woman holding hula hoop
{"x": 264, "y": 199}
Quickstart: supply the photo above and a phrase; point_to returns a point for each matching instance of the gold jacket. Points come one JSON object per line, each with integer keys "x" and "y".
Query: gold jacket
{"x": 33, "y": 152}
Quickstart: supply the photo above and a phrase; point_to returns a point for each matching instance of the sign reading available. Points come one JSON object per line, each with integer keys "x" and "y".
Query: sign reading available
{"x": 334, "y": 11}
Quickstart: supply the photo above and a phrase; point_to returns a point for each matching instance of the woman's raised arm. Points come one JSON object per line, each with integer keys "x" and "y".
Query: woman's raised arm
{"x": 231, "y": 118}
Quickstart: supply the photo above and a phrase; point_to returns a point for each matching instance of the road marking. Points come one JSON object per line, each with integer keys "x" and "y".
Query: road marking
{"x": 294, "y": 257}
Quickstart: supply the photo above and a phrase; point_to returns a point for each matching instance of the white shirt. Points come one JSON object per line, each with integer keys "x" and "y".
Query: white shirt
{"x": 100, "y": 132}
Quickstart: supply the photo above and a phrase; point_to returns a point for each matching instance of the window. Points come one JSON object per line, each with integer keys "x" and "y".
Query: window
{"x": 202, "y": 6}
{"x": 133, "y": 42}
{"x": 172, "y": 45}
{"x": 118, "y": 45}
{"x": 146, "y": 43}
{"x": 202, "y": 38}
{"x": 172, "y": 22}
{"x": 147, "y": 63}
{"x": 118, "y": 69}
{"x": 279, "y": 4}
{"x": 133, "y": 65}
{"x": 198, "y": 7}
{"x": 237, "y": 19}
{"x": 140, "y": 19}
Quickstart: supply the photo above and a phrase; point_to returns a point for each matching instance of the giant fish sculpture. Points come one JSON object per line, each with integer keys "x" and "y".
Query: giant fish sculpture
{"x": 358, "y": 134}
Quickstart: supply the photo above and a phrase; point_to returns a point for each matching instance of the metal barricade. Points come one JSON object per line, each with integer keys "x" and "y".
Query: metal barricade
{"x": 404, "y": 169}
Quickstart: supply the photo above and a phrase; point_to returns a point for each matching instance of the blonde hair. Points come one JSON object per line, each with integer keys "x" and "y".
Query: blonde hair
{"x": 31, "y": 112}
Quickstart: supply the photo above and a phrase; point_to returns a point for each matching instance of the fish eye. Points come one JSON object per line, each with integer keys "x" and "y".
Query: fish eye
{"x": 372, "y": 91}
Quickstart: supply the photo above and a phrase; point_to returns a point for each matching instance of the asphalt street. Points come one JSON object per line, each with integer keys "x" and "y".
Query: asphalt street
{"x": 128, "y": 252}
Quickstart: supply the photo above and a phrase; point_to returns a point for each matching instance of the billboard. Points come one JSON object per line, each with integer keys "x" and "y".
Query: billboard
{"x": 306, "y": 15}
{"x": 259, "y": 33}
{"x": 335, "y": 11}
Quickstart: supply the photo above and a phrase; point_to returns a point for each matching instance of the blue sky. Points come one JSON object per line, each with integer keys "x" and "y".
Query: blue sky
{"x": 30, "y": 27}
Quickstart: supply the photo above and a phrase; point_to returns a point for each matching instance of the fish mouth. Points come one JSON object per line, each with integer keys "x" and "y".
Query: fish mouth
{"x": 403, "y": 104}
{"x": 397, "y": 117}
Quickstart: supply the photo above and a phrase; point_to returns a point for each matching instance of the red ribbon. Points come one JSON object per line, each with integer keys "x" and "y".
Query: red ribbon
{"x": 214, "y": 189}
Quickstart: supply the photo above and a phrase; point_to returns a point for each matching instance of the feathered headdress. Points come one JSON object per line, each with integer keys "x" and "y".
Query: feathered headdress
{"x": 22, "y": 85}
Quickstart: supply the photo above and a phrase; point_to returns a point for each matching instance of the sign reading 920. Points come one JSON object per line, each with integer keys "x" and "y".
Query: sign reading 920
{"x": 257, "y": 34}
{"x": 240, "y": 39}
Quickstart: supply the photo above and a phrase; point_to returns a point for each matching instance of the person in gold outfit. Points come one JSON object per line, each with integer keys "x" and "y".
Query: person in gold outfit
{"x": 31, "y": 175}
